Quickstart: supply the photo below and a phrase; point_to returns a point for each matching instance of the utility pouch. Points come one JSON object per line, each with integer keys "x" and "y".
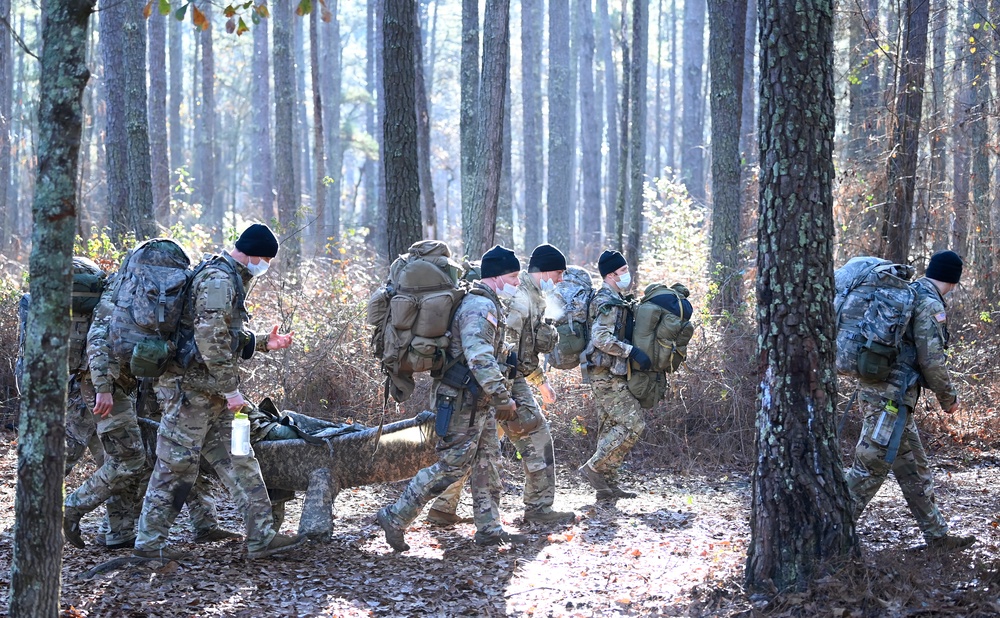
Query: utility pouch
{"x": 150, "y": 357}
{"x": 459, "y": 376}
{"x": 445, "y": 408}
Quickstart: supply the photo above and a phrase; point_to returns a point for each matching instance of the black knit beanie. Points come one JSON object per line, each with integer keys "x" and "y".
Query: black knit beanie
{"x": 499, "y": 261}
{"x": 258, "y": 241}
{"x": 945, "y": 266}
{"x": 546, "y": 258}
{"x": 610, "y": 262}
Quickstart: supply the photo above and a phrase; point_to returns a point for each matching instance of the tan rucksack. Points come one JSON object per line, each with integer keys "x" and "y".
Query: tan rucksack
{"x": 412, "y": 314}
{"x": 662, "y": 327}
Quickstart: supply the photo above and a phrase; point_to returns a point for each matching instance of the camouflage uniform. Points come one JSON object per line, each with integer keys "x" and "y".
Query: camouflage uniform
{"x": 530, "y": 337}
{"x": 470, "y": 446}
{"x": 81, "y": 429}
{"x": 620, "y": 419}
{"x": 196, "y": 420}
{"x": 923, "y": 352}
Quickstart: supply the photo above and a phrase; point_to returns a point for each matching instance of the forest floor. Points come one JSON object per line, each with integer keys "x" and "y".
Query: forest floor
{"x": 679, "y": 549}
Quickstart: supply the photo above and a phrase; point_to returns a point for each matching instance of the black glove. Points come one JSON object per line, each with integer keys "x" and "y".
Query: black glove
{"x": 640, "y": 359}
{"x": 511, "y": 363}
{"x": 506, "y": 409}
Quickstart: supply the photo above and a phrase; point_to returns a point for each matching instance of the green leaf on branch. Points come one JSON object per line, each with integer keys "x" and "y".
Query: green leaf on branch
{"x": 179, "y": 14}
{"x": 241, "y": 27}
{"x": 304, "y": 8}
{"x": 164, "y": 7}
{"x": 229, "y": 11}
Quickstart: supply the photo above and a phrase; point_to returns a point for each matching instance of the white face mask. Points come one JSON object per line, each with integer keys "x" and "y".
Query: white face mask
{"x": 624, "y": 280}
{"x": 546, "y": 285}
{"x": 507, "y": 292}
{"x": 259, "y": 268}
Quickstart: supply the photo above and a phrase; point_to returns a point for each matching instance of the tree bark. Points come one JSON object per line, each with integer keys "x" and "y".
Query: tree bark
{"x": 532, "y": 29}
{"x": 261, "y": 161}
{"x": 207, "y": 151}
{"x": 671, "y": 153}
{"x": 561, "y": 119}
{"x": 611, "y": 119}
{"x": 959, "y": 241}
{"x": 332, "y": 96}
{"x": 637, "y": 145}
{"x": 285, "y": 156}
{"x": 617, "y": 235}
{"x": 978, "y": 71}
{"x": 748, "y": 130}
{"x": 177, "y": 161}
{"x": 321, "y": 230}
{"x": 158, "y": 148}
{"x": 693, "y": 129}
{"x": 427, "y": 204}
{"x": 496, "y": 51}
{"x": 801, "y": 512}
{"x": 6, "y": 77}
{"x": 37, "y": 556}
{"x": 371, "y": 217}
{"x": 140, "y": 191}
{"x": 863, "y": 80}
{"x": 897, "y": 218}
{"x": 727, "y": 43}
{"x": 590, "y": 140}
{"x": 468, "y": 121}
{"x": 505, "y": 202}
{"x": 402, "y": 188}
{"x": 938, "y": 132}
{"x": 303, "y": 173}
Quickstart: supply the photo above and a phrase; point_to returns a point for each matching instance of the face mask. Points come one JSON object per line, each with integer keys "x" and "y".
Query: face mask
{"x": 507, "y": 292}
{"x": 546, "y": 285}
{"x": 624, "y": 281}
{"x": 257, "y": 269}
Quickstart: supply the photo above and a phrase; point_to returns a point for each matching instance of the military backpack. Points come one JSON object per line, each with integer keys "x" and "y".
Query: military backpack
{"x": 874, "y": 305}
{"x": 569, "y": 306}
{"x": 662, "y": 328}
{"x": 412, "y": 314}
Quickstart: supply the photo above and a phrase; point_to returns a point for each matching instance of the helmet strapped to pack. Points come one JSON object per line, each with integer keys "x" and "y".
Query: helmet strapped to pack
{"x": 874, "y": 305}
{"x": 412, "y": 314}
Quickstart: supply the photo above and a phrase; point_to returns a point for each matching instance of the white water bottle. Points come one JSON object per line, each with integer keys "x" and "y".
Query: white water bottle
{"x": 239, "y": 443}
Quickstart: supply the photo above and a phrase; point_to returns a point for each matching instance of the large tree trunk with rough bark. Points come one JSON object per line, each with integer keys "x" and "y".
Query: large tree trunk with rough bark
{"x": 637, "y": 141}
{"x": 532, "y": 29}
{"x": 37, "y": 557}
{"x": 801, "y": 512}
{"x": 158, "y": 150}
{"x": 693, "y": 122}
{"x": 561, "y": 120}
{"x": 977, "y": 74}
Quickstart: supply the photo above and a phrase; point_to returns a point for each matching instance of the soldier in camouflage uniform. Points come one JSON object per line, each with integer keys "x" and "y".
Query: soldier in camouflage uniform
{"x": 199, "y": 402}
{"x": 619, "y": 413}
{"x": 922, "y": 353}
{"x": 81, "y": 429}
{"x": 530, "y": 336}
{"x": 470, "y": 445}
{"x": 110, "y": 390}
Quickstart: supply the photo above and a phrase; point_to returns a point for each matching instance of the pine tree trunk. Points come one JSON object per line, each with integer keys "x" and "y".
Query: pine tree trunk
{"x": 140, "y": 191}
{"x": 331, "y": 81}
{"x": 897, "y": 218}
{"x": 402, "y": 188}
{"x": 37, "y": 556}
{"x": 637, "y": 145}
{"x": 617, "y": 235}
{"x": 864, "y": 80}
{"x": 979, "y": 129}
{"x": 590, "y": 140}
{"x": 800, "y": 514}
{"x": 285, "y": 156}
{"x": 693, "y": 121}
{"x": 112, "y": 38}
{"x": 561, "y": 119}
{"x": 468, "y": 120}
{"x": 748, "y": 130}
{"x": 727, "y": 26}
{"x": 6, "y": 77}
{"x": 611, "y": 118}
{"x": 177, "y": 160}
{"x": 206, "y": 153}
{"x": 427, "y": 204}
{"x": 381, "y": 230}
{"x": 505, "y": 202}
{"x": 959, "y": 241}
{"x": 671, "y": 161}
{"x": 371, "y": 175}
{"x": 261, "y": 162}
{"x": 496, "y": 51}
{"x": 304, "y": 173}
{"x": 158, "y": 147}
{"x": 938, "y": 133}
{"x": 321, "y": 229}
{"x": 532, "y": 29}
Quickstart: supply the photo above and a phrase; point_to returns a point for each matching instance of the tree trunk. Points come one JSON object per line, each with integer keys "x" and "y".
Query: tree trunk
{"x": 532, "y": 29}
{"x": 37, "y": 557}
{"x": 959, "y": 241}
{"x": 505, "y": 202}
{"x": 6, "y": 77}
{"x": 371, "y": 217}
{"x": 640, "y": 45}
{"x": 611, "y": 119}
{"x": 727, "y": 43}
{"x": 561, "y": 119}
{"x": 748, "y": 130}
{"x": 207, "y": 149}
{"x": 140, "y": 191}
{"x": 303, "y": 174}
{"x": 897, "y": 218}
{"x": 978, "y": 70}
{"x": 158, "y": 148}
{"x": 621, "y": 200}
{"x": 177, "y": 161}
{"x": 402, "y": 188}
{"x": 321, "y": 230}
{"x": 863, "y": 80}
{"x": 801, "y": 512}
{"x": 261, "y": 162}
{"x": 693, "y": 129}
{"x": 590, "y": 140}
{"x": 285, "y": 156}
{"x": 468, "y": 121}
{"x": 496, "y": 51}
{"x": 671, "y": 153}
{"x": 331, "y": 82}
{"x": 938, "y": 133}
{"x": 427, "y": 205}
{"x": 658, "y": 104}
{"x": 382, "y": 231}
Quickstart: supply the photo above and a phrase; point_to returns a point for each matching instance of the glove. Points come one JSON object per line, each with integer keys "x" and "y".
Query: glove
{"x": 640, "y": 359}
{"x": 505, "y": 408}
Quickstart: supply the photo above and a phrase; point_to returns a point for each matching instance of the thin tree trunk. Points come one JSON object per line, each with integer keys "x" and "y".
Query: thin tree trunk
{"x": 640, "y": 44}
{"x": 621, "y": 200}
{"x": 672, "y": 79}
{"x": 960, "y": 141}
{"x": 561, "y": 119}
{"x": 321, "y": 230}
{"x": 611, "y": 120}
{"x": 505, "y": 202}
{"x": 140, "y": 191}
{"x": 801, "y": 511}
{"x": 427, "y": 204}
{"x": 176, "y": 36}
{"x": 978, "y": 70}
{"x": 590, "y": 140}
{"x": 331, "y": 82}
{"x": 748, "y": 130}
{"x": 863, "y": 79}
{"x": 370, "y": 173}
{"x": 532, "y": 30}
{"x": 285, "y": 156}
{"x": 6, "y": 77}
{"x": 37, "y": 557}
{"x": 304, "y": 177}
{"x": 468, "y": 120}
{"x": 938, "y": 132}
{"x": 693, "y": 129}
{"x": 158, "y": 147}
{"x": 658, "y": 105}
{"x": 261, "y": 161}
{"x": 208, "y": 150}
{"x": 382, "y": 230}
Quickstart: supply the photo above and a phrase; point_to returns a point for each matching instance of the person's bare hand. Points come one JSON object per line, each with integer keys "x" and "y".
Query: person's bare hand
{"x": 236, "y": 402}
{"x": 279, "y": 341}
{"x": 104, "y": 403}
{"x": 548, "y": 393}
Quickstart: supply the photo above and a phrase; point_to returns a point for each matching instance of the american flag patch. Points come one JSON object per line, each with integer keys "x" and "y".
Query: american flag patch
{"x": 940, "y": 317}
{"x": 492, "y": 319}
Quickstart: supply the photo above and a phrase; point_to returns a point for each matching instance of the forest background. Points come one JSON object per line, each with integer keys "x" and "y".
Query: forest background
{"x": 615, "y": 128}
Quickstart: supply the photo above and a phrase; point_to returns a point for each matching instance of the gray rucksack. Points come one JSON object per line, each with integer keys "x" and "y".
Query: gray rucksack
{"x": 570, "y": 306}
{"x": 874, "y": 305}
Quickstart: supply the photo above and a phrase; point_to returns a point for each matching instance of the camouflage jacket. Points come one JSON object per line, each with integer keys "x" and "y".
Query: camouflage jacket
{"x": 922, "y": 353}
{"x": 477, "y": 332}
{"x": 105, "y": 369}
{"x": 609, "y": 312}
{"x": 217, "y": 316}
{"x": 528, "y": 334}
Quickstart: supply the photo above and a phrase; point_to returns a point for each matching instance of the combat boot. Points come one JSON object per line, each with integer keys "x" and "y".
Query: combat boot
{"x": 500, "y": 538}
{"x": 546, "y": 515}
{"x": 393, "y": 534}
{"x": 604, "y": 491}
{"x": 621, "y": 493}
{"x": 950, "y": 542}
{"x": 163, "y": 553}
{"x": 444, "y": 518}
{"x": 71, "y": 527}
{"x": 215, "y": 535}
{"x": 280, "y": 543}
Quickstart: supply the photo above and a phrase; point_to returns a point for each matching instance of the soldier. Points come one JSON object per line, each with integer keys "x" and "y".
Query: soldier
{"x": 619, "y": 413}
{"x": 110, "y": 390}
{"x": 199, "y": 402}
{"x": 530, "y": 336}
{"x": 921, "y": 359}
{"x": 470, "y": 444}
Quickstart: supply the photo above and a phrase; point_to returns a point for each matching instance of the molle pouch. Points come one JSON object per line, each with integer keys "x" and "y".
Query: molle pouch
{"x": 445, "y": 408}
{"x": 546, "y": 337}
{"x": 425, "y": 353}
{"x": 403, "y": 311}
{"x": 150, "y": 357}
{"x": 875, "y": 361}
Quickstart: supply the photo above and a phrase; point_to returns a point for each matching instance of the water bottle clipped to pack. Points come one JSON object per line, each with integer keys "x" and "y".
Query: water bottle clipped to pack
{"x": 239, "y": 443}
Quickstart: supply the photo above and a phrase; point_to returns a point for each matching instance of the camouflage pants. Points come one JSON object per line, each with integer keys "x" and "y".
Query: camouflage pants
{"x": 118, "y": 480}
{"x": 535, "y": 450}
{"x": 197, "y": 424}
{"x": 620, "y": 422}
{"x": 469, "y": 449}
{"x": 81, "y": 428}
{"x": 910, "y": 469}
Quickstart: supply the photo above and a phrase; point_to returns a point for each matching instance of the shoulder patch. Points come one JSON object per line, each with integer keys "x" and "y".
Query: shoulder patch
{"x": 940, "y": 317}
{"x": 492, "y": 319}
